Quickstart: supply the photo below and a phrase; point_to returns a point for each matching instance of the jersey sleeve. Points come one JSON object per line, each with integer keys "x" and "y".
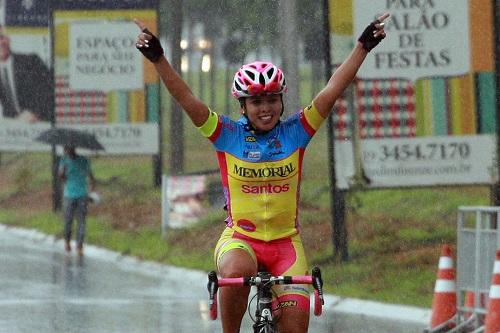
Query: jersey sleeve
{"x": 212, "y": 126}
{"x": 303, "y": 125}
{"x": 311, "y": 119}
{"x": 220, "y": 130}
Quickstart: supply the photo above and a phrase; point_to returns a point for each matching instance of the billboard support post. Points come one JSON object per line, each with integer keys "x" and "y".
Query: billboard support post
{"x": 495, "y": 200}
{"x": 158, "y": 158}
{"x": 337, "y": 196}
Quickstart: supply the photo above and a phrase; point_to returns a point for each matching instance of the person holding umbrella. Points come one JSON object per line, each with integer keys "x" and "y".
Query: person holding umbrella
{"x": 75, "y": 171}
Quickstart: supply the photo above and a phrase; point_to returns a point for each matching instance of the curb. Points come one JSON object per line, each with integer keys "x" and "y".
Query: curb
{"x": 355, "y": 315}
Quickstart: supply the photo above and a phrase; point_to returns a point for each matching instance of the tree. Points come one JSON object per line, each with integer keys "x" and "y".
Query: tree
{"x": 210, "y": 14}
{"x": 310, "y": 18}
{"x": 287, "y": 14}
{"x": 172, "y": 12}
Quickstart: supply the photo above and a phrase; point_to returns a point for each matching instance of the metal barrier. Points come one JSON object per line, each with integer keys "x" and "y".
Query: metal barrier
{"x": 477, "y": 241}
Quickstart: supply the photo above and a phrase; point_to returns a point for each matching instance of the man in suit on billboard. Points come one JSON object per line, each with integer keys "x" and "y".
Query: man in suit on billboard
{"x": 26, "y": 85}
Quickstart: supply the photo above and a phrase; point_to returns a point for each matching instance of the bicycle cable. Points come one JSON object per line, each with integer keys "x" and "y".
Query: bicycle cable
{"x": 277, "y": 316}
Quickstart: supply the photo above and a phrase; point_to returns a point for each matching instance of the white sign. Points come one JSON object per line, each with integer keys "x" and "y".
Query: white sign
{"x": 438, "y": 160}
{"x": 424, "y": 38}
{"x": 117, "y": 139}
{"x": 182, "y": 200}
{"x": 20, "y": 136}
{"x": 140, "y": 139}
{"x": 103, "y": 57}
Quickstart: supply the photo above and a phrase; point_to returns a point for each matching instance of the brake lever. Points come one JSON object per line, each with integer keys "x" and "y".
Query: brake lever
{"x": 212, "y": 286}
{"x": 318, "y": 283}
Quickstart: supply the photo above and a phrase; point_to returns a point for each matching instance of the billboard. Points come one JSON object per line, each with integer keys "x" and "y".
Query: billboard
{"x": 102, "y": 56}
{"x": 424, "y": 101}
{"x": 26, "y": 85}
{"x": 423, "y": 39}
{"x": 103, "y": 85}
{"x": 90, "y": 76}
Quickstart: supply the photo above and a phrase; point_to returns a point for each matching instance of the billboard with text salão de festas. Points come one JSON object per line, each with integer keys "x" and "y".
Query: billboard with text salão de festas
{"x": 424, "y": 100}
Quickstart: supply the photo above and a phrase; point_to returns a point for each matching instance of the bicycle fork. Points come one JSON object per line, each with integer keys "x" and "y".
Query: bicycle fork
{"x": 263, "y": 313}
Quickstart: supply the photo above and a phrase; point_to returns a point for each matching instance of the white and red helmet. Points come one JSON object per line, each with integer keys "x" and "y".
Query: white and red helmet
{"x": 258, "y": 78}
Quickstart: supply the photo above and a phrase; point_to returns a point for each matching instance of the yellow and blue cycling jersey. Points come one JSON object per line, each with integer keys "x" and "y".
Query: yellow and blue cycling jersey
{"x": 261, "y": 173}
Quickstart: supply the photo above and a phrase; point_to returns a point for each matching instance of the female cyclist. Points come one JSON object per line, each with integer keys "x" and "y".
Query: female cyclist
{"x": 260, "y": 160}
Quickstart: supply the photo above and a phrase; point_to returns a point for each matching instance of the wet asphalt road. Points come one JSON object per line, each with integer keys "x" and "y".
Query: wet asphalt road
{"x": 43, "y": 289}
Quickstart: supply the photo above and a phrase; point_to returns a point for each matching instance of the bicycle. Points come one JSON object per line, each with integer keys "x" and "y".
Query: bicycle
{"x": 264, "y": 322}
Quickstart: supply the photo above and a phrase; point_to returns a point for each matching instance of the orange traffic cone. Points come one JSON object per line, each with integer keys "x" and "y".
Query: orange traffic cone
{"x": 444, "y": 303}
{"x": 492, "y": 321}
{"x": 470, "y": 302}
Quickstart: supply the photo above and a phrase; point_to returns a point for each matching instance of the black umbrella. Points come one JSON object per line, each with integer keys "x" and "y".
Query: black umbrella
{"x": 70, "y": 137}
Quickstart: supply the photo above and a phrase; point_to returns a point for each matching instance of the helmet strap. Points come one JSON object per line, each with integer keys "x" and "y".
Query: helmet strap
{"x": 249, "y": 126}
{"x": 282, "y": 105}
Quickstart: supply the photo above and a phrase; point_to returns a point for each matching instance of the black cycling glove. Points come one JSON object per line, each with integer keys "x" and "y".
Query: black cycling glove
{"x": 154, "y": 51}
{"x": 367, "y": 39}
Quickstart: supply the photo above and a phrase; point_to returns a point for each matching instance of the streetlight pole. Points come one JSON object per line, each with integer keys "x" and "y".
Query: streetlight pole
{"x": 203, "y": 45}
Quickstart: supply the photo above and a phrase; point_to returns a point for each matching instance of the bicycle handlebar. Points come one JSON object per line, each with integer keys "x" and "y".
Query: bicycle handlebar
{"x": 255, "y": 280}
{"x": 314, "y": 279}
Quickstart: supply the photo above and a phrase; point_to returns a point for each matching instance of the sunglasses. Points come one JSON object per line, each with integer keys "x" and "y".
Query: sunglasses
{"x": 259, "y": 89}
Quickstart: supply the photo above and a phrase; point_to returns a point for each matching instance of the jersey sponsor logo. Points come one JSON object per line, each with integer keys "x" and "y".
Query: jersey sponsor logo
{"x": 265, "y": 189}
{"x": 274, "y": 143}
{"x": 246, "y": 225}
{"x": 251, "y": 146}
{"x": 275, "y": 147}
{"x": 278, "y": 171}
{"x": 287, "y": 304}
{"x": 296, "y": 288}
{"x": 275, "y": 153}
{"x": 254, "y": 155}
{"x": 250, "y": 139}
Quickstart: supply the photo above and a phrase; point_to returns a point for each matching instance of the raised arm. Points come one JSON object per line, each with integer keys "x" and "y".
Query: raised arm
{"x": 150, "y": 46}
{"x": 346, "y": 72}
